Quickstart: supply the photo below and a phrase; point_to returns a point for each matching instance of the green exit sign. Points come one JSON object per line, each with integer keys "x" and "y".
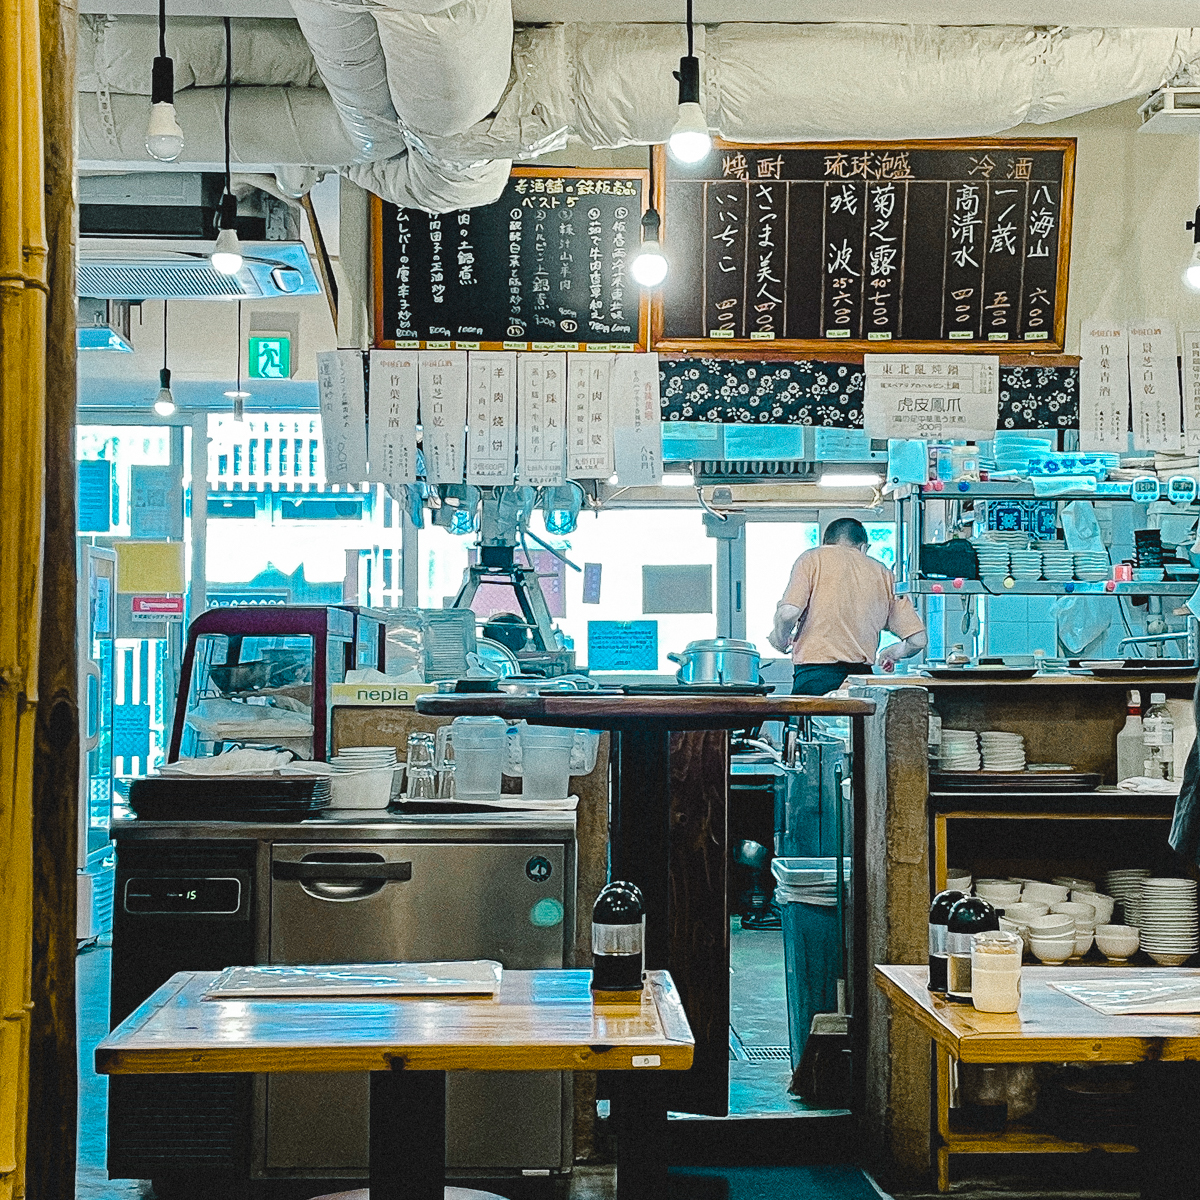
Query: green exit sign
{"x": 270, "y": 357}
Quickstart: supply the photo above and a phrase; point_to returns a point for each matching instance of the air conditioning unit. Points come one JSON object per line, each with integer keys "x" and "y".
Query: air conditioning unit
{"x": 140, "y": 269}
{"x": 1171, "y": 110}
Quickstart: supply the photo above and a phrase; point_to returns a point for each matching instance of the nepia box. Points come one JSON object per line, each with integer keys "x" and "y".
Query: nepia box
{"x": 379, "y": 694}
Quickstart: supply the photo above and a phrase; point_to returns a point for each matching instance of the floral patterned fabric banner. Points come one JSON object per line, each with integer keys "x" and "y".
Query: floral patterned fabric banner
{"x": 741, "y": 392}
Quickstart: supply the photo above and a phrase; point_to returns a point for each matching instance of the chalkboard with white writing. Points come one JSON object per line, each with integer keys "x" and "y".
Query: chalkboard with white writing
{"x": 866, "y": 246}
{"x": 546, "y": 267}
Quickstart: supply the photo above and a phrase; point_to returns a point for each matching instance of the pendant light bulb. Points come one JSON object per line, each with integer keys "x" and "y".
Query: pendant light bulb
{"x": 690, "y": 141}
{"x": 649, "y": 266}
{"x": 164, "y": 138}
{"x": 164, "y": 402}
{"x": 226, "y": 255}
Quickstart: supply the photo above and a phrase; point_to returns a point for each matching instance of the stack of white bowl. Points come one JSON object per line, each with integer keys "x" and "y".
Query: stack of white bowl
{"x": 1052, "y": 938}
{"x": 1091, "y": 565}
{"x": 1003, "y": 751}
{"x": 993, "y": 558}
{"x": 960, "y": 750}
{"x": 1126, "y": 886}
{"x": 958, "y": 880}
{"x": 999, "y": 893}
{"x": 363, "y": 776}
{"x": 1168, "y": 921}
{"x": 1084, "y": 918}
{"x": 1025, "y": 565}
{"x": 1058, "y": 563}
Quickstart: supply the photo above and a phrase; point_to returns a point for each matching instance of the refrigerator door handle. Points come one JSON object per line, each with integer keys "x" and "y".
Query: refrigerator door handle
{"x": 91, "y": 737}
{"x": 315, "y": 872}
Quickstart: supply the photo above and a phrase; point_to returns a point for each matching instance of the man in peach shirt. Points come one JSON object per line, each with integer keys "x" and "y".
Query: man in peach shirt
{"x": 837, "y": 603}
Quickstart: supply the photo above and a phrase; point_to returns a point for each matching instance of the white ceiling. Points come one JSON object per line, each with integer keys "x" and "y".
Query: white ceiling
{"x": 1144, "y": 13}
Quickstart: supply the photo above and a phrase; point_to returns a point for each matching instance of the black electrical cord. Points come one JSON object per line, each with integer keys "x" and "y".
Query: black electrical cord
{"x": 162, "y": 28}
{"x": 164, "y": 335}
{"x": 689, "y": 30}
{"x": 228, "y": 96}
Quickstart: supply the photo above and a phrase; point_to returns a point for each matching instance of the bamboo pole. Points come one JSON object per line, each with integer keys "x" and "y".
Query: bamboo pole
{"x": 23, "y": 286}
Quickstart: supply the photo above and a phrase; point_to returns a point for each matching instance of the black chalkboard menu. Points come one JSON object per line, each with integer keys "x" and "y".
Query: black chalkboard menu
{"x": 546, "y": 267}
{"x": 866, "y": 246}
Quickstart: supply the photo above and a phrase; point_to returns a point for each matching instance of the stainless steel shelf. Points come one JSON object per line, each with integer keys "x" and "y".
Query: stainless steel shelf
{"x": 1043, "y": 587}
{"x": 966, "y": 490}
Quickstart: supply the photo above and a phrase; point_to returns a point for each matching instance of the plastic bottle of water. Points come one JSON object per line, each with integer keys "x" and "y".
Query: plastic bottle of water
{"x": 1158, "y": 737}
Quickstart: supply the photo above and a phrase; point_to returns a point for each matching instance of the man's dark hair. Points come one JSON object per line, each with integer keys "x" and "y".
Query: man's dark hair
{"x": 846, "y": 529}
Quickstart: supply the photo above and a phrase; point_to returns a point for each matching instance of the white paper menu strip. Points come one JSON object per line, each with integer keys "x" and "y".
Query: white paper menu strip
{"x": 1103, "y": 388}
{"x": 1191, "y": 391}
{"x": 1154, "y": 385}
{"x": 931, "y": 396}
{"x": 542, "y": 418}
{"x": 491, "y": 418}
{"x": 343, "y": 415}
{"x": 589, "y": 454}
{"x": 392, "y": 417}
{"x": 443, "y": 387}
{"x": 636, "y": 419}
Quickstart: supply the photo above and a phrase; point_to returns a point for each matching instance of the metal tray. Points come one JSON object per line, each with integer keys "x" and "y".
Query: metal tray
{"x": 1116, "y": 669}
{"x": 1014, "y": 781}
{"x": 982, "y": 674}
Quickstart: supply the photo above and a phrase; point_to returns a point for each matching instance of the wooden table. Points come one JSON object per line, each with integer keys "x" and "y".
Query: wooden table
{"x": 1052, "y": 1027}
{"x": 540, "y": 1021}
{"x": 669, "y": 817}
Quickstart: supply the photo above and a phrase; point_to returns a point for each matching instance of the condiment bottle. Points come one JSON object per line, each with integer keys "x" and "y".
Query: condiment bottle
{"x": 1158, "y": 737}
{"x": 968, "y": 916}
{"x": 996, "y": 971}
{"x": 618, "y": 938}
{"x": 939, "y": 911}
{"x": 1130, "y": 751}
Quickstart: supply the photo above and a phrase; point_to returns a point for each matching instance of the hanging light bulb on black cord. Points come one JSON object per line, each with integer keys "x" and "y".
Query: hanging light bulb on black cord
{"x": 164, "y": 402}
{"x": 238, "y": 397}
{"x": 164, "y": 138}
{"x": 689, "y": 141}
{"x": 649, "y": 265}
{"x": 226, "y": 256}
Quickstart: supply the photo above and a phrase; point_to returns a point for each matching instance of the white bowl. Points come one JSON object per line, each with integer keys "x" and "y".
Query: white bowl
{"x": 1045, "y": 893}
{"x": 959, "y": 883}
{"x": 1076, "y": 911}
{"x": 1053, "y": 951}
{"x": 1022, "y": 931}
{"x": 1022, "y": 911}
{"x": 1053, "y": 925}
{"x": 1117, "y": 942}
{"x": 1103, "y": 905}
{"x": 1083, "y": 942}
{"x": 1077, "y": 885}
{"x": 362, "y": 789}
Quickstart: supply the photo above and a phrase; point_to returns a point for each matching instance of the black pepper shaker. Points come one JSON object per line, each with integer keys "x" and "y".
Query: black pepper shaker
{"x": 939, "y": 912}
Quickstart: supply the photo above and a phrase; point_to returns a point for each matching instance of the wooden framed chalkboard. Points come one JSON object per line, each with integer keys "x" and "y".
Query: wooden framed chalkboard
{"x": 866, "y": 246}
{"x": 546, "y": 267}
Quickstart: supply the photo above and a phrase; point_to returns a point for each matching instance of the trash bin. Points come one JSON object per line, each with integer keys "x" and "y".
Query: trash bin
{"x": 806, "y": 893}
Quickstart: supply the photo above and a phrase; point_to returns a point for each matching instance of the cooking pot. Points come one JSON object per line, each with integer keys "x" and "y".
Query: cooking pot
{"x": 717, "y": 660}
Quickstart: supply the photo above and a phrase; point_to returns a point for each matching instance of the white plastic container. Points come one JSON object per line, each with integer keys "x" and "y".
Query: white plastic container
{"x": 545, "y": 764}
{"x": 479, "y": 753}
{"x": 362, "y": 789}
{"x": 996, "y": 971}
{"x": 1158, "y": 736}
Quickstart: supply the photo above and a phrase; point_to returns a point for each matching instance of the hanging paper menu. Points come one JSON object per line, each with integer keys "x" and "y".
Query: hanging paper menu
{"x": 491, "y": 419}
{"x": 1103, "y": 389}
{"x": 931, "y": 396}
{"x": 1191, "y": 391}
{"x": 392, "y": 423}
{"x": 1154, "y": 386}
{"x": 443, "y": 387}
{"x": 589, "y": 454}
{"x": 636, "y": 419}
{"x": 542, "y": 413}
{"x": 342, "y": 397}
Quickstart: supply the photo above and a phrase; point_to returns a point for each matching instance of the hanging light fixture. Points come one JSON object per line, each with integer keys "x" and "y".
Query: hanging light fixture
{"x": 1191, "y": 271}
{"x": 689, "y": 141}
{"x": 164, "y": 138}
{"x": 238, "y": 397}
{"x": 649, "y": 266}
{"x": 164, "y": 402}
{"x": 226, "y": 255}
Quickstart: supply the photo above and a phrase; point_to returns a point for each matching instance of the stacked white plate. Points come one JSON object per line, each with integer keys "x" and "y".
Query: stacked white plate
{"x": 960, "y": 750}
{"x": 1126, "y": 886}
{"x": 1058, "y": 563}
{"x": 1025, "y": 565}
{"x": 363, "y": 758}
{"x": 993, "y": 557}
{"x": 1091, "y": 565}
{"x": 1168, "y": 921}
{"x": 1014, "y": 539}
{"x": 1003, "y": 751}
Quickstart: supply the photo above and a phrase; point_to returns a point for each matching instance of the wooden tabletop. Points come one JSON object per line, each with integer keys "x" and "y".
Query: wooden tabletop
{"x": 1050, "y": 1026}
{"x": 610, "y": 710}
{"x": 540, "y": 1021}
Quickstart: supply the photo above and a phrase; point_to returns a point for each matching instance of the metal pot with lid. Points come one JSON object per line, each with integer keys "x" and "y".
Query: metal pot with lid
{"x": 717, "y": 660}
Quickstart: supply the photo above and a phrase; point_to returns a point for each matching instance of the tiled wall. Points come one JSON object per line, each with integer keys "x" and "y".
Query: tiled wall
{"x": 1021, "y": 625}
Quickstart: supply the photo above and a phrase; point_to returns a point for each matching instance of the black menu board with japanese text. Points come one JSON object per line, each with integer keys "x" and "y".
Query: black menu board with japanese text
{"x": 546, "y": 267}
{"x": 866, "y": 247}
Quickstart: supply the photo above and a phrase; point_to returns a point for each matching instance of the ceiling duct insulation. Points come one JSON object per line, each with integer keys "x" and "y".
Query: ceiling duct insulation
{"x": 441, "y": 133}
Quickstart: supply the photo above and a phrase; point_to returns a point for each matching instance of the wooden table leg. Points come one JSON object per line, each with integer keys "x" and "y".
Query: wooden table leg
{"x": 408, "y": 1135}
{"x": 942, "y": 1101}
{"x": 640, "y": 1103}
